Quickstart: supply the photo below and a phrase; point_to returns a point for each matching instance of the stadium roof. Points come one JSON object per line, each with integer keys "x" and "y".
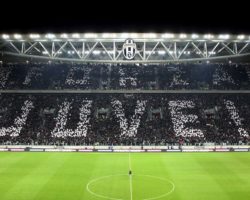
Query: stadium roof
{"x": 109, "y": 47}
{"x": 82, "y": 36}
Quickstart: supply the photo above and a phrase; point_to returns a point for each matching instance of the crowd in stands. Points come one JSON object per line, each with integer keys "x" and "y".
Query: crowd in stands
{"x": 120, "y": 76}
{"x": 124, "y": 119}
{"x": 14, "y": 130}
{"x": 83, "y": 122}
{"x": 179, "y": 119}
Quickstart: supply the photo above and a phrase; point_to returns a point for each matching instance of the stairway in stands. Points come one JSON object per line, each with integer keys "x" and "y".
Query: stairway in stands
{"x": 248, "y": 72}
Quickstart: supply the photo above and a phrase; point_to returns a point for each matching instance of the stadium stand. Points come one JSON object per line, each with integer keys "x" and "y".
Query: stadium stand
{"x": 124, "y": 119}
{"x": 120, "y": 76}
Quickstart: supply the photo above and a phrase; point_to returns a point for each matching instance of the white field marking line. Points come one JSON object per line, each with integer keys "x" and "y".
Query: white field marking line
{"x": 163, "y": 195}
{"x": 129, "y": 161}
{"x": 111, "y": 198}
{"x": 110, "y": 153}
{"x": 130, "y": 179}
{"x": 131, "y": 187}
{"x": 97, "y": 179}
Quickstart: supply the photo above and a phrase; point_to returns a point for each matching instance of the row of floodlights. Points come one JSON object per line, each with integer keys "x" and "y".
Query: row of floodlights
{"x": 160, "y": 52}
{"x": 124, "y": 35}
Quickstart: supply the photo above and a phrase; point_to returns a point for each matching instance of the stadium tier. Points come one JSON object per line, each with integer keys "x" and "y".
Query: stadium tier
{"x": 124, "y": 119}
{"x": 121, "y": 76}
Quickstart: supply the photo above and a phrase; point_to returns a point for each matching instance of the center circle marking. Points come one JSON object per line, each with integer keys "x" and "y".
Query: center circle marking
{"x": 93, "y": 181}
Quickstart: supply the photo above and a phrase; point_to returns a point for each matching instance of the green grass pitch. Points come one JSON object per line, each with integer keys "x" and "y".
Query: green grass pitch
{"x": 97, "y": 176}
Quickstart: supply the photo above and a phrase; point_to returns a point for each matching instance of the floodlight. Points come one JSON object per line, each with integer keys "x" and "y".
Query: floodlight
{"x": 50, "y": 36}
{"x": 195, "y": 36}
{"x": 34, "y": 36}
{"x": 90, "y": 35}
{"x": 5, "y": 36}
{"x": 125, "y": 35}
{"x": 96, "y": 52}
{"x": 208, "y": 36}
{"x": 167, "y": 35}
{"x": 183, "y": 35}
{"x": 224, "y": 36}
{"x": 17, "y": 36}
{"x": 241, "y": 37}
{"x": 64, "y": 35}
{"x": 76, "y": 35}
{"x": 149, "y": 35}
{"x": 161, "y": 52}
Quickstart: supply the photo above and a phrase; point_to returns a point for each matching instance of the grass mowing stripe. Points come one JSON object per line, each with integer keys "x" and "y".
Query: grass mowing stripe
{"x": 130, "y": 178}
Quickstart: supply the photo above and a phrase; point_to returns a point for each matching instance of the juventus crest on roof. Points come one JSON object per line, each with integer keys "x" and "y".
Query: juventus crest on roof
{"x": 129, "y": 49}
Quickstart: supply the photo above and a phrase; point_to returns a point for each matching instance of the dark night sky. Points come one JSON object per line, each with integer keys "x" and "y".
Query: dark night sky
{"x": 124, "y": 18}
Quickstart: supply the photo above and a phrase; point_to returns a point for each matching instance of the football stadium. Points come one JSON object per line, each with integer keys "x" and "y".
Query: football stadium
{"x": 124, "y": 116}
